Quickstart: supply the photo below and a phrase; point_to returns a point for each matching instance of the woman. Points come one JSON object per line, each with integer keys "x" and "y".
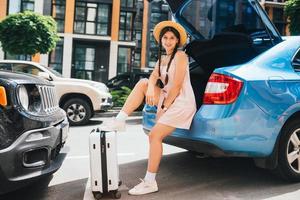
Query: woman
{"x": 169, "y": 89}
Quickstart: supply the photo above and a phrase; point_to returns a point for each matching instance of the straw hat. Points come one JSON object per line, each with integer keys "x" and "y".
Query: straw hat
{"x": 178, "y": 27}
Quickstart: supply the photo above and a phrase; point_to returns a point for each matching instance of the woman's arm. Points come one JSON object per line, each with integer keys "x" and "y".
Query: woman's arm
{"x": 153, "y": 76}
{"x": 151, "y": 85}
{"x": 180, "y": 70}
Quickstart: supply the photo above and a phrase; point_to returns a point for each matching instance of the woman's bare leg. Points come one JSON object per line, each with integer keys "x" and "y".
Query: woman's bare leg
{"x": 157, "y": 134}
{"x": 137, "y": 95}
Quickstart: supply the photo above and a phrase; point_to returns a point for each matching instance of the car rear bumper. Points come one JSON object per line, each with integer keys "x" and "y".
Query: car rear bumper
{"x": 239, "y": 130}
{"x": 33, "y": 155}
{"x": 193, "y": 145}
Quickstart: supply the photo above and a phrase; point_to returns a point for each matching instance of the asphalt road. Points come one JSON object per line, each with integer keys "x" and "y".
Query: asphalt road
{"x": 182, "y": 175}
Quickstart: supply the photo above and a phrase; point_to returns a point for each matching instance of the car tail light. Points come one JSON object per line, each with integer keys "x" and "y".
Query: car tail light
{"x": 222, "y": 89}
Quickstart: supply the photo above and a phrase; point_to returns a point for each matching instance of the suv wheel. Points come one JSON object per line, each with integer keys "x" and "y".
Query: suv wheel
{"x": 289, "y": 152}
{"x": 78, "y": 111}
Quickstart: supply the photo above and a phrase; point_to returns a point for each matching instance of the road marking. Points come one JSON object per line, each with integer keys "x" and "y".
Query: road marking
{"x": 87, "y": 156}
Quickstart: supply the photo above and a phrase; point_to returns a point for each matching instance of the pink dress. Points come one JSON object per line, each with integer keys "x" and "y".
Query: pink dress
{"x": 181, "y": 112}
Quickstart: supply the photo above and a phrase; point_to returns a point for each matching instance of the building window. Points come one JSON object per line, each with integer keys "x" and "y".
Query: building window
{"x": 9, "y": 56}
{"x": 85, "y": 63}
{"x": 124, "y": 60}
{"x": 137, "y": 59}
{"x": 58, "y": 13}
{"x": 279, "y": 20}
{"x": 137, "y": 34}
{"x": 103, "y": 17}
{"x": 56, "y": 56}
{"x": 126, "y": 26}
{"x": 92, "y": 18}
{"x": 128, "y": 3}
{"x": 159, "y": 12}
{"x": 27, "y": 5}
{"x": 16, "y": 6}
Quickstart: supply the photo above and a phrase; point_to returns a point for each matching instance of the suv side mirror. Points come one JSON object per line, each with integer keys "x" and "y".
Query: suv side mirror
{"x": 45, "y": 75}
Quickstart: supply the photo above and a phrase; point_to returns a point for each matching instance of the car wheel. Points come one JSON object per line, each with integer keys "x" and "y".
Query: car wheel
{"x": 78, "y": 111}
{"x": 289, "y": 152}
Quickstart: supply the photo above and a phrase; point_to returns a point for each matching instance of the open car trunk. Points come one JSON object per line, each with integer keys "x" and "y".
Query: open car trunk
{"x": 224, "y": 49}
{"x": 223, "y": 33}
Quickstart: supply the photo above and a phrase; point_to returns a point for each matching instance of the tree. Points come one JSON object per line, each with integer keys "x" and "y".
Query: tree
{"x": 292, "y": 10}
{"x": 28, "y": 33}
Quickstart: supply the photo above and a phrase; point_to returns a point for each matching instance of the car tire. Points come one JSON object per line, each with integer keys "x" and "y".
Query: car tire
{"x": 78, "y": 111}
{"x": 289, "y": 152}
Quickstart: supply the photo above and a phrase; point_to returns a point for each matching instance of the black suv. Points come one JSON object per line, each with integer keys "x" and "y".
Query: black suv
{"x": 33, "y": 129}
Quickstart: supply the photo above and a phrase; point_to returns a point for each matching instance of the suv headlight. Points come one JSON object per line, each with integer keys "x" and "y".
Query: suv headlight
{"x": 23, "y": 97}
{"x": 30, "y": 98}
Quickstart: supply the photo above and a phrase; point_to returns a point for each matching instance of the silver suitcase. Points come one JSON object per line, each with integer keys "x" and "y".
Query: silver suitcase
{"x": 104, "y": 164}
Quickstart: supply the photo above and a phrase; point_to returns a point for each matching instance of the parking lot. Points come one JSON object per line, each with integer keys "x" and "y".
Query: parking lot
{"x": 182, "y": 175}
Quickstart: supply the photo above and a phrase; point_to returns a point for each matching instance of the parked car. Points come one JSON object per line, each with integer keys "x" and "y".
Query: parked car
{"x": 246, "y": 83}
{"x": 128, "y": 79}
{"x": 79, "y": 98}
{"x": 33, "y": 129}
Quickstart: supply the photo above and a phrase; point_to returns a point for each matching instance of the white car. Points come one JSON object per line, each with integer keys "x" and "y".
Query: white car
{"x": 79, "y": 98}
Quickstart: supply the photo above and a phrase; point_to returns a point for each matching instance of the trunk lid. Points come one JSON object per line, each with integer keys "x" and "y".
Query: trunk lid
{"x": 233, "y": 31}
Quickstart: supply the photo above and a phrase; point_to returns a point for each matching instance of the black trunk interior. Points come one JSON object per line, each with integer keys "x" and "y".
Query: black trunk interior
{"x": 224, "y": 49}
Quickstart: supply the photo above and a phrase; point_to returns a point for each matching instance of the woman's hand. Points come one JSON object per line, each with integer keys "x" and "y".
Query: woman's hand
{"x": 150, "y": 96}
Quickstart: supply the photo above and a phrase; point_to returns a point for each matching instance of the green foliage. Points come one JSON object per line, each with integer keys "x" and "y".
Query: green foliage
{"x": 292, "y": 10}
{"x": 28, "y": 33}
{"x": 119, "y": 96}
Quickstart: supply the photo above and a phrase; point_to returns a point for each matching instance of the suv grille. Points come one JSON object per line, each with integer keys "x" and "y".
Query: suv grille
{"x": 49, "y": 98}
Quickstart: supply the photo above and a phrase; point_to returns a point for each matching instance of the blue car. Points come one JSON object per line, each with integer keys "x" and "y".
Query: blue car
{"x": 246, "y": 82}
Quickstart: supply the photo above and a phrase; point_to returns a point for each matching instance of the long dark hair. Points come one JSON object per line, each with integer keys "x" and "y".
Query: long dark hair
{"x": 162, "y": 32}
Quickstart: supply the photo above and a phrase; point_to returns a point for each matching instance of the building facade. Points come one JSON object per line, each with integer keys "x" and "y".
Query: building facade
{"x": 99, "y": 38}
{"x": 275, "y": 10}
{"x": 103, "y": 38}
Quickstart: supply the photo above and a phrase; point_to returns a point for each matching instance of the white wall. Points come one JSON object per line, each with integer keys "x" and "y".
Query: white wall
{"x": 113, "y": 59}
{"x": 67, "y": 55}
{"x": 38, "y": 6}
{"x": 44, "y": 59}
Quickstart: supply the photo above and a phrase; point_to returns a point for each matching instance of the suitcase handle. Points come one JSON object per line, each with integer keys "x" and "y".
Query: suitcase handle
{"x": 92, "y": 131}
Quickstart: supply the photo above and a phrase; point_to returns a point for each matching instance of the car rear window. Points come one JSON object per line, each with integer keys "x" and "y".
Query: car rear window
{"x": 210, "y": 17}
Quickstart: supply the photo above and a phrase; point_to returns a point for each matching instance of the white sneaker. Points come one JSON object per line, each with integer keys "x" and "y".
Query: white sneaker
{"x": 113, "y": 124}
{"x": 145, "y": 187}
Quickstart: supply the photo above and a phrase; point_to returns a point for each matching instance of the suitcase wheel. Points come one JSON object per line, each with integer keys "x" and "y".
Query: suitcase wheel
{"x": 97, "y": 195}
{"x": 116, "y": 194}
{"x": 120, "y": 183}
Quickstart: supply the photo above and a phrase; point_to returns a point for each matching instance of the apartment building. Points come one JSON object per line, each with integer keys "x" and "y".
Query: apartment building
{"x": 99, "y": 38}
